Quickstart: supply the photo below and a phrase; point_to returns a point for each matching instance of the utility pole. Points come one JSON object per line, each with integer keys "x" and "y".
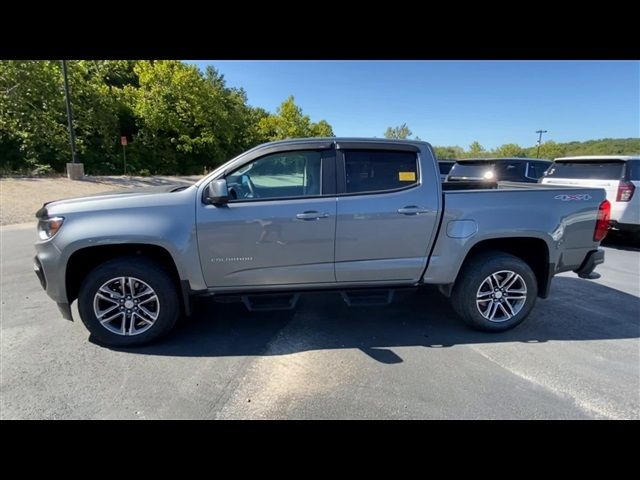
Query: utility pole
{"x": 539, "y": 132}
{"x": 67, "y": 98}
{"x": 75, "y": 170}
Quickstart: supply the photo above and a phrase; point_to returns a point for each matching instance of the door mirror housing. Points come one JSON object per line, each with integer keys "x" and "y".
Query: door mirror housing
{"x": 217, "y": 192}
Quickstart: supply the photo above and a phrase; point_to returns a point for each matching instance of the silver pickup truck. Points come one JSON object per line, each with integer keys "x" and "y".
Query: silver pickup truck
{"x": 362, "y": 217}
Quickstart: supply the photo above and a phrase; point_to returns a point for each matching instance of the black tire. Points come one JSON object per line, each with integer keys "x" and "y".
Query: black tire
{"x": 473, "y": 274}
{"x": 141, "y": 268}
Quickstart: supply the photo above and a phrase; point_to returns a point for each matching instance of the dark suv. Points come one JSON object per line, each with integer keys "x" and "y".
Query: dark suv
{"x": 492, "y": 170}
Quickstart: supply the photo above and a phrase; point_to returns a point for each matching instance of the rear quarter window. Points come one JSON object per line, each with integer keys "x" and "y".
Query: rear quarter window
{"x": 587, "y": 170}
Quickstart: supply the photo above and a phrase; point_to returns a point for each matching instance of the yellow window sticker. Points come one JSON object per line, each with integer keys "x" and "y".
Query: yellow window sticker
{"x": 407, "y": 176}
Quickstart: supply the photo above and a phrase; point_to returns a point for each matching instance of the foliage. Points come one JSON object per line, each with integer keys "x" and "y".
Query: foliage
{"x": 509, "y": 150}
{"x": 176, "y": 118}
{"x": 449, "y": 153}
{"x": 401, "y": 132}
{"x": 476, "y": 150}
{"x": 41, "y": 170}
{"x": 289, "y": 122}
{"x": 548, "y": 150}
{"x": 32, "y": 118}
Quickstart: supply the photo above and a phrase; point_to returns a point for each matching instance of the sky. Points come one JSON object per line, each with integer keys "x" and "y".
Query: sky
{"x": 452, "y": 102}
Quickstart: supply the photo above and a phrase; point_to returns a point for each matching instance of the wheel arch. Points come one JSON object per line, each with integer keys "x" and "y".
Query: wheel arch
{"x": 81, "y": 262}
{"x": 533, "y": 251}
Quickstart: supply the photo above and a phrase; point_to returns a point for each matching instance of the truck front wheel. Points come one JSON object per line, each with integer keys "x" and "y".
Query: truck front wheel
{"x": 494, "y": 292}
{"x": 128, "y": 301}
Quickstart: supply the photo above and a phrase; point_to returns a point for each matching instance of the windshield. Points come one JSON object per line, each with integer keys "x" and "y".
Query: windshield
{"x": 591, "y": 170}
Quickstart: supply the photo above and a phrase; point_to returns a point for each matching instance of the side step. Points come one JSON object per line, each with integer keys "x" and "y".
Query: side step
{"x": 367, "y": 298}
{"x": 270, "y": 301}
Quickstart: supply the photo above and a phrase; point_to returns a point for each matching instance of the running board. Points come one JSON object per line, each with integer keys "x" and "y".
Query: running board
{"x": 367, "y": 298}
{"x": 270, "y": 301}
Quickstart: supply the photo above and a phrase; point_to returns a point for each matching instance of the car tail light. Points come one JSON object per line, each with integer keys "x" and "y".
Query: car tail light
{"x": 625, "y": 191}
{"x": 602, "y": 221}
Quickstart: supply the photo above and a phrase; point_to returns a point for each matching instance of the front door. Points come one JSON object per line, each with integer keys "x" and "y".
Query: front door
{"x": 278, "y": 227}
{"x": 386, "y": 216}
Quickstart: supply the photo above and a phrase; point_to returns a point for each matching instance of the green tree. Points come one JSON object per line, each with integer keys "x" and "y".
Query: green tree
{"x": 177, "y": 119}
{"x": 449, "y": 153}
{"x": 401, "y": 132}
{"x": 32, "y": 120}
{"x": 549, "y": 150}
{"x": 476, "y": 150}
{"x": 510, "y": 150}
{"x": 290, "y": 122}
{"x": 184, "y": 119}
{"x": 33, "y": 124}
{"x": 321, "y": 129}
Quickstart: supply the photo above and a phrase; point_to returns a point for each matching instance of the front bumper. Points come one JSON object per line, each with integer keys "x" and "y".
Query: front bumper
{"x": 47, "y": 267}
{"x": 65, "y": 308}
{"x": 37, "y": 268}
{"x": 591, "y": 261}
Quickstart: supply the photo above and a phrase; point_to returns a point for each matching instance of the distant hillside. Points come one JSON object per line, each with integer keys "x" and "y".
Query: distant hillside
{"x": 604, "y": 146}
{"x": 550, "y": 150}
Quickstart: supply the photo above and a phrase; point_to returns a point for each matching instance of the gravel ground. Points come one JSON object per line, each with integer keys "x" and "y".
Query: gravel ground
{"x": 20, "y": 198}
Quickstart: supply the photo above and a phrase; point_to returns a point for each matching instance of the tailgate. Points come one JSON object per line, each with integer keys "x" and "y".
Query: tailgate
{"x": 603, "y": 173}
{"x": 610, "y": 186}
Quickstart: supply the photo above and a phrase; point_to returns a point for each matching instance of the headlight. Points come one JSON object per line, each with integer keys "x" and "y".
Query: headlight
{"x": 488, "y": 175}
{"x": 48, "y": 227}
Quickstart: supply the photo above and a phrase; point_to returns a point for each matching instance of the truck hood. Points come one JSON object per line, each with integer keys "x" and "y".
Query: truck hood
{"x": 68, "y": 204}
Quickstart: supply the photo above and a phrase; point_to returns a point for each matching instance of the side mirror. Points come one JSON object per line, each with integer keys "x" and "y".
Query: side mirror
{"x": 217, "y": 192}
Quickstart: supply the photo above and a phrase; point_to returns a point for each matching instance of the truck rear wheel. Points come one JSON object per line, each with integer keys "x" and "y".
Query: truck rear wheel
{"x": 495, "y": 292}
{"x": 128, "y": 301}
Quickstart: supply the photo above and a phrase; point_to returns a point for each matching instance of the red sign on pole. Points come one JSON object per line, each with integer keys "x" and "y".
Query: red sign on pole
{"x": 123, "y": 141}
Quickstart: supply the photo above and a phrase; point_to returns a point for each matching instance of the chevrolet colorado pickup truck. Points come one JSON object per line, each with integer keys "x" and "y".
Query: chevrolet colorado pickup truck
{"x": 363, "y": 217}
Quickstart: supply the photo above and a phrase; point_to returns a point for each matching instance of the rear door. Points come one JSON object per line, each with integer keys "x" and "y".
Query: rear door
{"x": 387, "y": 213}
{"x": 587, "y": 173}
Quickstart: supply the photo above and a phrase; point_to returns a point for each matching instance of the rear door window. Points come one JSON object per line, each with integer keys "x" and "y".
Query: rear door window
{"x": 587, "y": 170}
{"x": 379, "y": 171}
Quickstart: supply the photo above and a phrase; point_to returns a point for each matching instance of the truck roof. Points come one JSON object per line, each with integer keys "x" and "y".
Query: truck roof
{"x": 587, "y": 158}
{"x": 293, "y": 141}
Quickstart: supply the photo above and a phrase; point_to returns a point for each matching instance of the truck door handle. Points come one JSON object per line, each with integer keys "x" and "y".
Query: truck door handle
{"x": 412, "y": 210}
{"x": 311, "y": 215}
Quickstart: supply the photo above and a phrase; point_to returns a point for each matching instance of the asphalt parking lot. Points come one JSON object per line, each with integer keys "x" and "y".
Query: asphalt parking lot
{"x": 576, "y": 356}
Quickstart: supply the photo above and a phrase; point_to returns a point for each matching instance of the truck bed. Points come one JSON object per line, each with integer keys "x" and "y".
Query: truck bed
{"x": 474, "y": 186}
